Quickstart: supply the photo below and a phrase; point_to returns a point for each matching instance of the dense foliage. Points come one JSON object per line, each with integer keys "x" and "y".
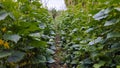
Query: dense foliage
{"x": 24, "y": 25}
{"x": 90, "y": 34}
{"x": 87, "y": 35}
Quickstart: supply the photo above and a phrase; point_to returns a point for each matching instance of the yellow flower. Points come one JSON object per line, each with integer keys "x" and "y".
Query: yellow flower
{"x": 6, "y": 45}
{"x": 3, "y": 29}
{"x": 1, "y": 42}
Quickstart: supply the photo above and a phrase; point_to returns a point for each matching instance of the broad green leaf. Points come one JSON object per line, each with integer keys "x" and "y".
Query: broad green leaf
{"x": 37, "y": 43}
{"x": 15, "y": 38}
{"x": 86, "y": 61}
{"x": 37, "y": 35}
{"x": 39, "y": 59}
{"x": 26, "y": 48}
{"x": 102, "y": 14}
{"x": 88, "y": 30}
{"x": 113, "y": 34}
{"x": 16, "y": 56}
{"x": 4, "y": 54}
{"x": 1, "y": 6}
{"x": 98, "y": 65}
{"x": 50, "y": 60}
{"x": 3, "y": 15}
{"x": 33, "y": 28}
{"x": 99, "y": 39}
{"x": 111, "y": 22}
{"x": 74, "y": 61}
{"x": 42, "y": 25}
{"x": 11, "y": 16}
{"x": 115, "y": 45}
{"x": 117, "y": 8}
{"x": 50, "y": 51}
{"x": 118, "y": 66}
{"x": 2, "y": 66}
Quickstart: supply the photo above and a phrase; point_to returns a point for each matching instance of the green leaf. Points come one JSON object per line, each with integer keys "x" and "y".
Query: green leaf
{"x": 99, "y": 39}
{"x": 50, "y": 60}
{"x": 113, "y": 34}
{"x": 118, "y": 66}
{"x": 86, "y": 61}
{"x": 15, "y": 38}
{"x": 117, "y": 8}
{"x": 37, "y": 43}
{"x": 37, "y": 35}
{"x": 3, "y": 15}
{"x": 2, "y": 66}
{"x": 89, "y": 30}
{"x": 102, "y": 14}
{"x": 1, "y": 6}
{"x": 98, "y": 65}
{"x": 33, "y": 28}
{"x": 16, "y": 56}
{"x": 115, "y": 45}
{"x": 50, "y": 51}
{"x": 111, "y": 22}
{"x": 5, "y": 54}
{"x": 11, "y": 16}
{"x": 39, "y": 59}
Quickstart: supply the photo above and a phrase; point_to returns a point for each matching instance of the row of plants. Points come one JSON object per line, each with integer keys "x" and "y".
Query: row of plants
{"x": 25, "y": 32}
{"x": 90, "y": 35}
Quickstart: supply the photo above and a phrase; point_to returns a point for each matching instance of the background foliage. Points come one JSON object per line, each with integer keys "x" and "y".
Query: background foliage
{"x": 23, "y": 28}
{"x": 90, "y": 34}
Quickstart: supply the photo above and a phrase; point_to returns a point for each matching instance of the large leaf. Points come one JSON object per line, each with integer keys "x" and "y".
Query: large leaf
{"x": 16, "y": 56}
{"x": 102, "y": 14}
{"x": 117, "y": 8}
{"x": 37, "y": 43}
{"x": 111, "y": 22}
{"x": 89, "y": 30}
{"x": 99, "y": 39}
{"x": 39, "y": 59}
{"x": 50, "y": 51}
{"x": 50, "y": 60}
{"x": 5, "y": 54}
{"x": 115, "y": 45}
{"x": 113, "y": 34}
{"x": 86, "y": 61}
{"x": 118, "y": 66}
{"x": 98, "y": 65}
{"x": 11, "y": 16}
{"x": 3, "y": 15}
{"x": 15, "y": 38}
